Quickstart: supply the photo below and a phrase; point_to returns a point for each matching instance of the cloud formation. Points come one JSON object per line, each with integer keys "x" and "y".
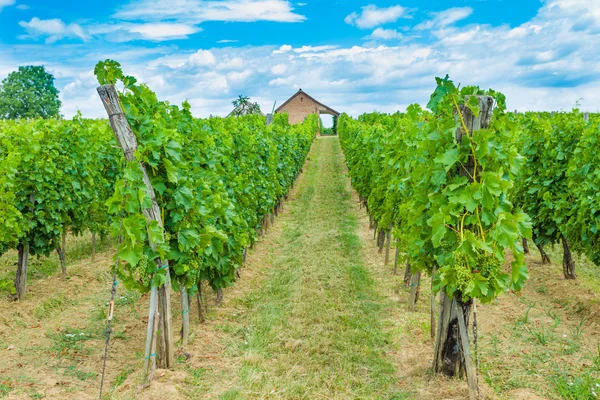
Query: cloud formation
{"x": 385, "y": 34}
{"x": 371, "y": 16}
{"x": 546, "y": 63}
{"x": 6, "y": 3}
{"x": 445, "y": 18}
{"x": 52, "y": 29}
{"x": 198, "y": 11}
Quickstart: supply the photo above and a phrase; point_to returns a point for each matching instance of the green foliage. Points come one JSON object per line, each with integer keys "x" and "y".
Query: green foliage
{"x": 583, "y": 175}
{"x": 542, "y": 189}
{"x": 29, "y": 93}
{"x": 413, "y": 173}
{"x": 57, "y": 175}
{"x": 214, "y": 180}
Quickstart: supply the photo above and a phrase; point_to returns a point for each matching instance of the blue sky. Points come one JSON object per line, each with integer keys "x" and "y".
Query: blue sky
{"x": 355, "y": 56}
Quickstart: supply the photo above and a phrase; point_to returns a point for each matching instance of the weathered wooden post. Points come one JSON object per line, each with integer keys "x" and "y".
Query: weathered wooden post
{"x": 21, "y": 277}
{"x": 185, "y": 316}
{"x": 415, "y": 283}
{"x": 93, "y": 246}
{"x": 388, "y": 240}
{"x": 433, "y": 304}
{"x": 396, "y": 256}
{"x": 269, "y": 119}
{"x": 568, "y": 262}
{"x": 586, "y": 117}
{"x": 161, "y": 296}
{"x": 23, "y": 259}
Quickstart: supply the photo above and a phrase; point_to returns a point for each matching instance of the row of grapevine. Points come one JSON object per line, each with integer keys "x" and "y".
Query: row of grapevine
{"x": 56, "y": 176}
{"x": 214, "y": 182}
{"x": 558, "y": 187}
{"x": 441, "y": 182}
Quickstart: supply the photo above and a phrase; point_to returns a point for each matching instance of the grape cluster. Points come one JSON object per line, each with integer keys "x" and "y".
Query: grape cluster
{"x": 143, "y": 263}
{"x": 462, "y": 272}
{"x": 489, "y": 264}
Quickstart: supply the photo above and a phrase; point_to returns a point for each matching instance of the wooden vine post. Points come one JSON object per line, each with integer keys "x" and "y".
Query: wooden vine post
{"x": 160, "y": 297}
{"x": 23, "y": 259}
{"x": 388, "y": 240}
{"x": 452, "y": 354}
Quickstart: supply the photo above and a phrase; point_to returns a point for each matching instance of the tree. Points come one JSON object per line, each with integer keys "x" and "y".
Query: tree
{"x": 243, "y": 106}
{"x": 29, "y": 93}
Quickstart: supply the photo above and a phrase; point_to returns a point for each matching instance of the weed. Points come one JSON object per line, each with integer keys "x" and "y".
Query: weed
{"x": 543, "y": 335}
{"x": 578, "y": 330}
{"x": 525, "y": 319}
{"x": 70, "y": 342}
{"x": 120, "y": 379}
{"x": 542, "y": 289}
{"x": 72, "y": 370}
{"x": 577, "y": 387}
{"x": 5, "y": 388}
{"x": 554, "y": 317}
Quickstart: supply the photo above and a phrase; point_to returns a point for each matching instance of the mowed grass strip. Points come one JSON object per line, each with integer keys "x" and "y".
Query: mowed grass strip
{"x": 313, "y": 329}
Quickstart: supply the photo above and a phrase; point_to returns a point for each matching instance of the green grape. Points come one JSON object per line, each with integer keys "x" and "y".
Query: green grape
{"x": 143, "y": 262}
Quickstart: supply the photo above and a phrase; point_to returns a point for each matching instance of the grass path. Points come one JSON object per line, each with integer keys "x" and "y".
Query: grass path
{"x": 313, "y": 328}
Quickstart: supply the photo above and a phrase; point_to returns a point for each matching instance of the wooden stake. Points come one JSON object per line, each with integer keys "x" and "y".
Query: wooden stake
{"x": 185, "y": 316}
{"x": 415, "y": 282}
{"x": 128, "y": 142}
{"x": 464, "y": 341}
{"x": 199, "y": 300}
{"x": 150, "y": 337}
{"x": 407, "y": 273}
{"x": 23, "y": 259}
{"x": 93, "y": 246}
{"x": 396, "y": 256}
{"x": 21, "y": 276}
{"x": 433, "y": 303}
{"x": 388, "y": 240}
{"x": 62, "y": 251}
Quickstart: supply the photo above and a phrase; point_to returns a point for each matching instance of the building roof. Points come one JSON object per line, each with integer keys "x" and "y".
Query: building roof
{"x": 300, "y": 91}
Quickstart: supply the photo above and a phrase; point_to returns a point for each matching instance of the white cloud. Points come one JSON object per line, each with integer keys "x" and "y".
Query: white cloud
{"x": 202, "y": 58}
{"x": 445, "y": 18}
{"x": 283, "y": 49}
{"x": 371, "y": 16}
{"x": 238, "y": 77}
{"x": 198, "y": 11}
{"x": 234, "y": 63}
{"x": 305, "y": 49}
{"x": 279, "y": 69}
{"x": 162, "y": 31}
{"x": 227, "y": 41}
{"x": 152, "y": 31}
{"x": 6, "y": 3}
{"x": 23, "y": 6}
{"x": 385, "y": 34}
{"x": 52, "y": 29}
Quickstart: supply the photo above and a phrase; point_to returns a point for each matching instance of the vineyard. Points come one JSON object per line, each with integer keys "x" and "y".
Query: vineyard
{"x": 158, "y": 255}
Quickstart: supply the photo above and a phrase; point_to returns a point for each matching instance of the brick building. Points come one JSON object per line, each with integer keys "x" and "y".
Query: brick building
{"x": 300, "y": 105}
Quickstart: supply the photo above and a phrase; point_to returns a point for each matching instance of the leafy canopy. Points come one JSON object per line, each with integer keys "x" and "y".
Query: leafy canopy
{"x": 29, "y": 93}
